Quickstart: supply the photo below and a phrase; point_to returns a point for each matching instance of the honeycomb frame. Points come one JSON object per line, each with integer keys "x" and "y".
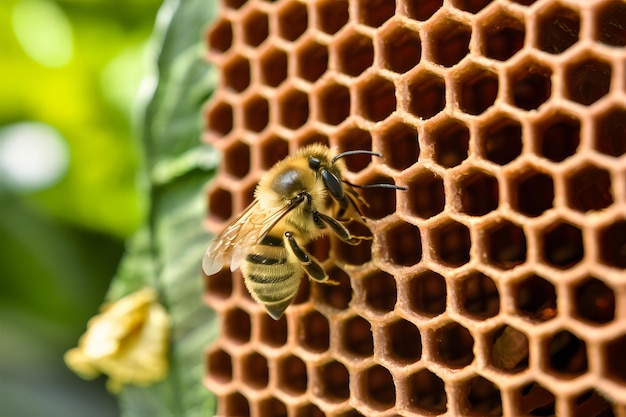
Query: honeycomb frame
{"x": 496, "y": 284}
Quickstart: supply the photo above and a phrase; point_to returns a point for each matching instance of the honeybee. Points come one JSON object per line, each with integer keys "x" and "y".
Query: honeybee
{"x": 298, "y": 200}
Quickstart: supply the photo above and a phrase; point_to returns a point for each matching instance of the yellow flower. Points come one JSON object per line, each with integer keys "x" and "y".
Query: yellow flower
{"x": 127, "y": 341}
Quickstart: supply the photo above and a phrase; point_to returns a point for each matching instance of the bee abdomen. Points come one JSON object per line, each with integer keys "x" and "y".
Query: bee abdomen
{"x": 258, "y": 259}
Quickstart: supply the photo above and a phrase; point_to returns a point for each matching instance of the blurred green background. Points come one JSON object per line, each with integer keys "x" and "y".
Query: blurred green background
{"x": 70, "y": 72}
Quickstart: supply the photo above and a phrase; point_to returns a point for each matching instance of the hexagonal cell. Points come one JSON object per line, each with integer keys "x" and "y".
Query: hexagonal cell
{"x": 381, "y": 201}
{"x": 332, "y": 15}
{"x": 594, "y": 301}
{"x": 529, "y": 84}
{"x": 612, "y": 243}
{"x": 482, "y": 398}
{"x": 377, "y": 388}
{"x": 255, "y": 27}
{"x": 508, "y": 349}
{"x": 220, "y": 204}
{"x": 309, "y": 410}
{"x": 557, "y": 136}
{"x": 532, "y": 192}
{"x": 591, "y": 402}
{"x": 533, "y": 399}
{"x": 273, "y": 332}
{"x": 421, "y": 10}
{"x": 402, "y": 342}
{"x": 449, "y": 41}
{"x": 453, "y": 346}
{"x": 273, "y": 64}
{"x": 356, "y": 337}
{"x": 293, "y": 108}
{"x": 610, "y": 128}
{"x": 403, "y": 244}
{"x": 354, "y": 254}
{"x": 237, "y": 326}
{"x": 426, "y": 294}
{"x": 399, "y": 146}
{"x": 563, "y": 245}
{"x": 218, "y": 287}
{"x": 315, "y": 335}
{"x": 311, "y": 60}
{"x": 477, "y": 296}
{"x": 478, "y": 193}
{"x": 292, "y": 20}
{"x": 427, "y": 92}
{"x": 500, "y": 139}
{"x": 426, "y": 194}
{"x": 505, "y": 244}
{"x": 237, "y": 159}
{"x": 220, "y": 36}
{"x": 564, "y": 355}
{"x": 477, "y": 89}
{"x": 381, "y": 292}
{"x": 374, "y": 12}
{"x": 272, "y": 150}
{"x": 451, "y": 143}
{"x": 332, "y": 381}
{"x": 272, "y": 407}
{"x": 425, "y": 393}
{"x": 332, "y": 102}
{"x": 334, "y": 296}
{"x": 220, "y": 366}
{"x": 558, "y": 28}
{"x": 535, "y": 298}
{"x": 292, "y": 375}
{"x": 254, "y": 370}
{"x": 588, "y": 188}
{"x": 610, "y": 27}
{"x": 401, "y": 49}
{"x": 355, "y": 53}
{"x": 501, "y": 35}
{"x": 613, "y": 364}
{"x": 376, "y": 98}
{"x": 587, "y": 81}
{"x": 235, "y": 404}
{"x": 256, "y": 113}
{"x": 220, "y": 118}
{"x": 451, "y": 243}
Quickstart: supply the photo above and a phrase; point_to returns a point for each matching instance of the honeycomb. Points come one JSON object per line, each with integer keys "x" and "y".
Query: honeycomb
{"x": 495, "y": 285}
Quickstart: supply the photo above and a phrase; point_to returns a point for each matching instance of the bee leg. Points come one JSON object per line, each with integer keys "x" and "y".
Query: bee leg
{"x": 340, "y": 230}
{"x": 308, "y": 262}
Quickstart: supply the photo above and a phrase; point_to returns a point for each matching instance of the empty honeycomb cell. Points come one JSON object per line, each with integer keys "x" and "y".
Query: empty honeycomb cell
{"x": 355, "y": 254}
{"x": 426, "y": 294}
{"x": 535, "y": 298}
{"x": 558, "y": 28}
{"x": 564, "y": 355}
{"x": 478, "y": 193}
{"x": 331, "y": 15}
{"x": 376, "y": 98}
{"x": 273, "y": 66}
{"x": 235, "y": 404}
{"x": 219, "y": 287}
{"x": 402, "y": 342}
{"x": 477, "y": 295}
{"x": 357, "y": 340}
{"x": 448, "y": 42}
{"x": 237, "y": 159}
{"x": 426, "y": 194}
{"x": 254, "y": 370}
{"x": 220, "y": 118}
{"x": 588, "y": 80}
{"x": 381, "y": 292}
{"x": 476, "y": 87}
{"x": 427, "y": 94}
{"x": 557, "y": 136}
{"x": 509, "y": 349}
{"x": 220, "y": 37}
{"x": 501, "y": 34}
{"x": 589, "y": 188}
{"x": 425, "y": 393}
{"x": 255, "y": 27}
{"x": 335, "y": 296}
{"x": 535, "y": 400}
{"x": 292, "y": 375}
{"x": 332, "y": 381}
{"x": 563, "y": 245}
{"x": 315, "y": 334}
{"x": 220, "y": 366}
{"x": 273, "y": 332}
{"x": 272, "y": 407}
{"x": 237, "y": 326}
{"x": 403, "y": 244}
{"x": 500, "y": 139}
{"x": 399, "y": 146}
{"x": 272, "y": 150}
{"x": 453, "y": 346}
{"x": 256, "y": 113}
{"x": 532, "y": 192}
{"x": 590, "y": 403}
{"x": 333, "y": 103}
{"x": 311, "y": 60}
{"x": 612, "y": 244}
{"x": 354, "y": 53}
{"x": 610, "y": 23}
{"x": 451, "y": 143}
{"x": 451, "y": 243}
{"x": 376, "y": 388}
{"x": 374, "y": 12}
{"x": 594, "y": 301}
{"x": 292, "y": 20}
{"x": 610, "y": 128}
{"x": 482, "y": 398}
{"x": 221, "y": 203}
{"x": 529, "y": 84}
{"x": 309, "y": 410}
{"x": 505, "y": 244}
{"x": 353, "y": 138}
{"x": 472, "y": 6}
{"x": 401, "y": 48}
{"x": 381, "y": 202}
{"x": 420, "y": 10}
{"x": 293, "y": 108}
{"x": 351, "y": 413}
{"x": 613, "y": 364}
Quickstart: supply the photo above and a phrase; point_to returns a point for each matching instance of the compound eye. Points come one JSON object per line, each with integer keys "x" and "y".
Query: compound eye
{"x": 314, "y": 163}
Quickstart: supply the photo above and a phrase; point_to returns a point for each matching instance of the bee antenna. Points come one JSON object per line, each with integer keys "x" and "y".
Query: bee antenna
{"x": 379, "y": 185}
{"x": 355, "y": 152}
